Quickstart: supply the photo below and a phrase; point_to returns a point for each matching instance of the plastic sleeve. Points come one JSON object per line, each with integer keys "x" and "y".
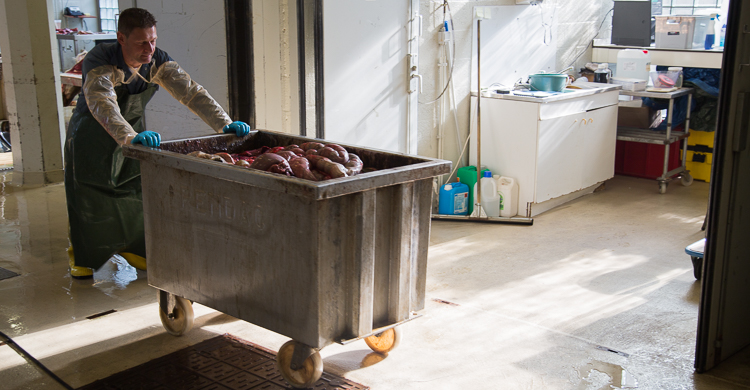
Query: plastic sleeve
{"x": 99, "y": 90}
{"x": 179, "y": 84}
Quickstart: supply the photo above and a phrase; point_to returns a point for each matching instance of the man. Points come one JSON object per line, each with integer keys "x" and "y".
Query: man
{"x": 103, "y": 188}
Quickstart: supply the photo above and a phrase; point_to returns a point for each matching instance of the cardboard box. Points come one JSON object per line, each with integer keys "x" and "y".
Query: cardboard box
{"x": 638, "y": 117}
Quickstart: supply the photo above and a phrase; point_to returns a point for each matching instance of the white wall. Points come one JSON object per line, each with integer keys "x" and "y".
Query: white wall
{"x": 578, "y": 23}
{"x": 275, "y": 65}
{"x": 32, "y": 91}
{"x": 89, "y": 7}
{"x": 193, "y": 32}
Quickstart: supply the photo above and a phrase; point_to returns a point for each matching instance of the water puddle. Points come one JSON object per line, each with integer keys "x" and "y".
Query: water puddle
{"x": 605, "y": 376}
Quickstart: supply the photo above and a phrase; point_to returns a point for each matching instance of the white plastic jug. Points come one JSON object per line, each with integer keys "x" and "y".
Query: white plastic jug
{"x": 634, "y": 64}
{"x": 507, "y": 189}
{"x": 490, "y": 196}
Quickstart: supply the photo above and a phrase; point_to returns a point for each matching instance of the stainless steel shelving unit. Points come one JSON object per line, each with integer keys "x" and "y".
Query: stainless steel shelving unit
{"x": 665, "y": 137}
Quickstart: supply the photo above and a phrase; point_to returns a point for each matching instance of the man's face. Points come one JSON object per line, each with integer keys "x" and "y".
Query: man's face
{"x": 139, "y": 46}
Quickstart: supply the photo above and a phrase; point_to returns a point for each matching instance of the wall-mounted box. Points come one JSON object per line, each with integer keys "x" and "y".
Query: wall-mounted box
{"x": 631, "y": 23}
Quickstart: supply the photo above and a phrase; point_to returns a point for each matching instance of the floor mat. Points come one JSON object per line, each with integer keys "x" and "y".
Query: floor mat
{"x": 221, "y": 363}
{"x": 5, "y": 274}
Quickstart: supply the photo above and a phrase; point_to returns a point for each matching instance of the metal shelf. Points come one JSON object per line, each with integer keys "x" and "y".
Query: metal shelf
{"x": 657, "y": 137}
{"x": 659, "y": 95}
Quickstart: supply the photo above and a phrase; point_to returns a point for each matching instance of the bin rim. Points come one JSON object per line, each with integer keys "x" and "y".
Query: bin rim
{"x": 422, "y": 168}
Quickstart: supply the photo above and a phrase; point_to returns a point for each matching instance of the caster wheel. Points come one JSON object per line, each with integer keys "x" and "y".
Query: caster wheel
{"x": 385, "y": 341}
{"x": 663, "y": 187}
{"x": 305, "y": 376}
{"x": 686, "y": 179}
{"x": 697, "y": 267}
{"x": 182, "y": 317}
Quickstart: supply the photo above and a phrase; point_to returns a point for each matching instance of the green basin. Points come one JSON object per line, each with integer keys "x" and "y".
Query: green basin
{"x": 548, "y": 82}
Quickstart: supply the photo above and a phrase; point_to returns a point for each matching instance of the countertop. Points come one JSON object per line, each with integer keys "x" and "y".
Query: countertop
{"x": 550, "y": 97}
{"x": 718, "y": 49}
{"x": 695, "y": 58}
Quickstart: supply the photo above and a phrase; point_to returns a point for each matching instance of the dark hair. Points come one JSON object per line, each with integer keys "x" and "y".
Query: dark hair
{"x": 134, "y": 18}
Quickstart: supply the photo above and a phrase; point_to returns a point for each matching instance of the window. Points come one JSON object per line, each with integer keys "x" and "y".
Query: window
{"x": 689, "y": 7}
{"x": 108, "y": 14}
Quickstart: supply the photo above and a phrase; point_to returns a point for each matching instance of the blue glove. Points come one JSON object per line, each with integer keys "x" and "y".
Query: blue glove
{"x": 151, "y": 139}
{"x": 240, "y": 128}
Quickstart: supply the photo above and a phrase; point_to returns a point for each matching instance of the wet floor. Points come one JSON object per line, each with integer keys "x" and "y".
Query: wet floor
{"x": 597, "y": 294}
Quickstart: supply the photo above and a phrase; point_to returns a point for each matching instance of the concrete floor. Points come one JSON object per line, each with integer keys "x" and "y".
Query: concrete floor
{"x": 597, "y": 294}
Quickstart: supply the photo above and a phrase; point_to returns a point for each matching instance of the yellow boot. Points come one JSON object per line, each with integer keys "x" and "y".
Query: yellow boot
{"x": 136, "y": 261}
{"x": 76, "y": 271}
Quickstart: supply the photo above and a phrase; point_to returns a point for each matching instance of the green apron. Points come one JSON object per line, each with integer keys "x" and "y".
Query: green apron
{"x": 103, "y": 188}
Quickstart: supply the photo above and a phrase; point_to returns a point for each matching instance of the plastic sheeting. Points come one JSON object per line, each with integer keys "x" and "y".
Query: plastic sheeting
{"x": 103, "y": 104}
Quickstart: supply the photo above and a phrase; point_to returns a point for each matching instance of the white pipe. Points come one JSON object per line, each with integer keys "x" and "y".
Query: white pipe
{"x": 441, "y": 102}
{"x": 455, "y": 107}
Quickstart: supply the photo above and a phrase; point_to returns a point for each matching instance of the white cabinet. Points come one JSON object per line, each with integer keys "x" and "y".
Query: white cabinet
{"x": 556, "y": 150}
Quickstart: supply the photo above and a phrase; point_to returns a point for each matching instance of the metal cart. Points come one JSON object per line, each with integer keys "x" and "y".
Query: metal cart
{"x": 319, "y": 262}
{"x": 665, "y": 138}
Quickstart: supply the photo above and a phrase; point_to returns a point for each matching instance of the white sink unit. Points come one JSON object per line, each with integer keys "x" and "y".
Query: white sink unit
{"x": 558, "y": 148}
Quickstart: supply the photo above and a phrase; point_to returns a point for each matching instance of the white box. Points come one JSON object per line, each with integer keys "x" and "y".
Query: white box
{"x": 629, "y": 84}
{"x": 681, "y": 32}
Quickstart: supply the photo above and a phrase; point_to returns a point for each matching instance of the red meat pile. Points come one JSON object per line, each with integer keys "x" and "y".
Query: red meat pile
{"x": 312, "y": 160}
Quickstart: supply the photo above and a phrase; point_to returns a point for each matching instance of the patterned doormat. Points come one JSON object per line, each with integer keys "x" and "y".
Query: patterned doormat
{"x": 221, "y": 363}
{"x": 5, "y": 274}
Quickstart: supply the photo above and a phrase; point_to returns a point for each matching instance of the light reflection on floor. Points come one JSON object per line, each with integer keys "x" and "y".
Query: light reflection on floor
{"x": 539, "y": 307}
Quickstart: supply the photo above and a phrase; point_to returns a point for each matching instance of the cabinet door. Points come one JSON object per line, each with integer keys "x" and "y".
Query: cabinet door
{"x": 509, "y": 142}
{"x": 598, "y": 139}
{"x": 558, "y": 169}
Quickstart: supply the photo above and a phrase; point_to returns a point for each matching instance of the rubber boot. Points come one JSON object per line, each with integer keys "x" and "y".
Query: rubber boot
{"x": 76, "y": 271}
{"x": 136, "y": 261}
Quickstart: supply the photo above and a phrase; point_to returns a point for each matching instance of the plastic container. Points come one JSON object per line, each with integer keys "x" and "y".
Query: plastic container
{"x": 666, "y": 79}
{"x": 677, "y": 69}
{"x": 723, "y": 35}
{"x": 633, "y": 64}
{"x": 468, "y": 176}
{"x": 454, "y": 199}
{"x": 507, "y": 188}
{"x": 551, "y": 82}
{"x": 490, "y": 196}
{"x": 711, "y": 33}
{"x": 681, "y": 32}
{"x": 602, "y": 74}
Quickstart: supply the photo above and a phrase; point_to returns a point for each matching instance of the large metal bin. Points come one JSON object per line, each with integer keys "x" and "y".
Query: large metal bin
{"x": 319, "y": 262}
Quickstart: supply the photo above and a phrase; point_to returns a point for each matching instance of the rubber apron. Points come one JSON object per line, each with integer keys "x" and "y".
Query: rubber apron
{"x": 103, "y": 188}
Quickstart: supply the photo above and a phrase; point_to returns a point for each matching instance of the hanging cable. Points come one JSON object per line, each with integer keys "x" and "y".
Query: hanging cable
{"x": 547, "y": 27}
{"x": 591, "y": 41}
{"x": 447, "y": 7}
